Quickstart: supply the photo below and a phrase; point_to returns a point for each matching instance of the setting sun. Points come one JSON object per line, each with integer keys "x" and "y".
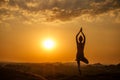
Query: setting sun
{"x": 48, "y": 44}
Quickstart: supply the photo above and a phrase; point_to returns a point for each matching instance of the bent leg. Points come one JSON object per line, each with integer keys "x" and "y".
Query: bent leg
{"x": 85, "y": 60}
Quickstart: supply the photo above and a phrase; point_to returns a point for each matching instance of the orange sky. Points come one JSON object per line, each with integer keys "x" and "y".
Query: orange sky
{"x": 24, "y": 27}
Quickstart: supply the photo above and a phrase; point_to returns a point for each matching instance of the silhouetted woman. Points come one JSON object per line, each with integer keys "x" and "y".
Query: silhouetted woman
{"x": 80, "y": 49}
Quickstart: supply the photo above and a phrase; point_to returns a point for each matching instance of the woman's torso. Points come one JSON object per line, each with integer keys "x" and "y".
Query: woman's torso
{"x": 80, "y": 50}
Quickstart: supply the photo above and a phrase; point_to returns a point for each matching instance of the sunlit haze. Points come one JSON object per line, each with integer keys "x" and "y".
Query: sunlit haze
{"x": 44, "y": 30}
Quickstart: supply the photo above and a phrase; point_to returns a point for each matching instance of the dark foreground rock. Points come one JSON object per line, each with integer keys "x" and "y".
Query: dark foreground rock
{"x": 10, "y": 74}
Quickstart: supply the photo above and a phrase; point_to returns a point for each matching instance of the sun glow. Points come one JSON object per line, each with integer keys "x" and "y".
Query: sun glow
{"x": 48, "y": 44}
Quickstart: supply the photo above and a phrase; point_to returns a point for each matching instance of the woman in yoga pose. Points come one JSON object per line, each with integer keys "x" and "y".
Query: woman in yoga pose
{"x": 80, "y": 40}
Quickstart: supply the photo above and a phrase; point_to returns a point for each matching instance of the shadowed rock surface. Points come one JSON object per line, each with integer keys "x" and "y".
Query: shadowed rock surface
{"x": 10, "y": 74}
{"x": 58, "y": 71}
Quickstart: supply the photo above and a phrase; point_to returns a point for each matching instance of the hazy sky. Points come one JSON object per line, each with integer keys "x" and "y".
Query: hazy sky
{"x": 25, "y": 24}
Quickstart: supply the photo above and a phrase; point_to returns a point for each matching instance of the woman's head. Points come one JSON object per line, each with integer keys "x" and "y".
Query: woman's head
{"x": 80, "y": 38}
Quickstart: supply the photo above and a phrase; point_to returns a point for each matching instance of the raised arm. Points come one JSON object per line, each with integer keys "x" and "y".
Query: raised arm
{"x": 84, "y": 38}
{"x": 77, "y": 35}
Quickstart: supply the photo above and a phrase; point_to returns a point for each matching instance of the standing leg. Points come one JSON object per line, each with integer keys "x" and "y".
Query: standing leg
{"x": 78, "y": 62}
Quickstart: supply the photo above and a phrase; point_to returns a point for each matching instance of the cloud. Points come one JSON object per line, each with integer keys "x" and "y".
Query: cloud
{"x": 50, "y": 10}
